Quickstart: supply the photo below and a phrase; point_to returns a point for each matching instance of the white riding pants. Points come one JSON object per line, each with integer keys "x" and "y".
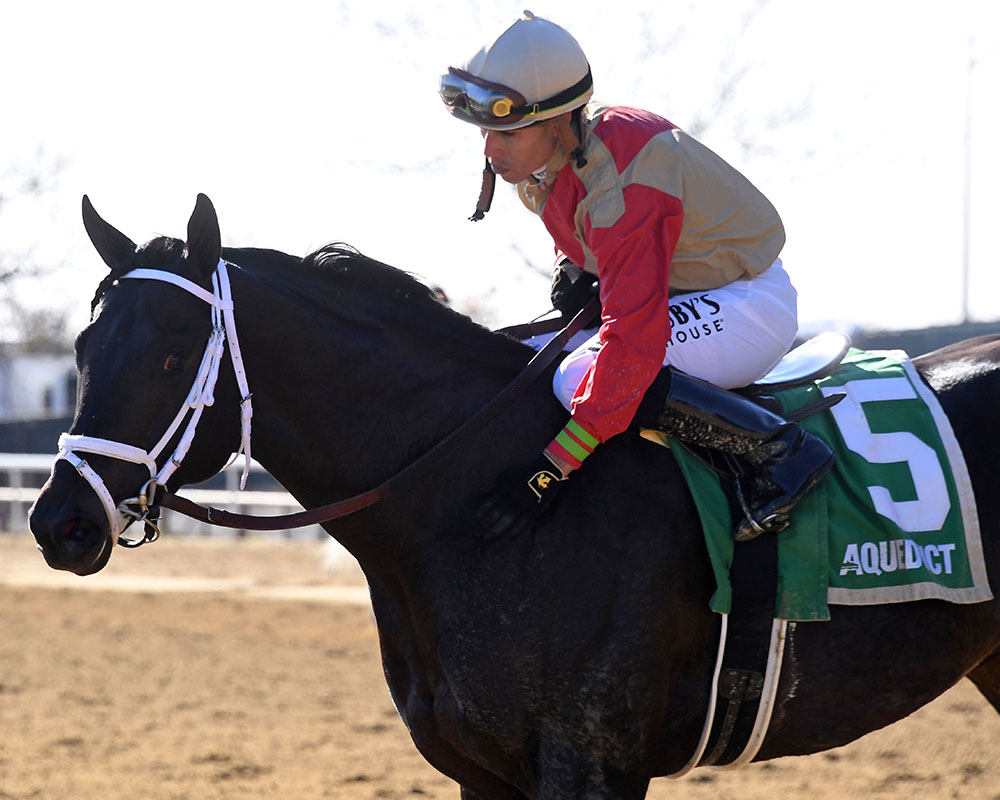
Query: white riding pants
{"x": 730, "y": 336}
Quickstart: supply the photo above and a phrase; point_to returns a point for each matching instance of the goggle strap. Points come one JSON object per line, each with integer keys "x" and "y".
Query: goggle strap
{"x": 485, "y": 193}
{"x": 561, "y": 99}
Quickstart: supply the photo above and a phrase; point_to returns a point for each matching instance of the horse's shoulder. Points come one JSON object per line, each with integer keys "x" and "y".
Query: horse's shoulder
{"x": 638, "y": 483}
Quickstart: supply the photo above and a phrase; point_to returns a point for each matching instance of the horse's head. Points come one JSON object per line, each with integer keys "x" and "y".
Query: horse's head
{"x": 144, "y": 372}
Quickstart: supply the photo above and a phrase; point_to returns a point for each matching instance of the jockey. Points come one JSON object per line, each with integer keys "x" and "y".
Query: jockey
{"x": 686, "y": 252}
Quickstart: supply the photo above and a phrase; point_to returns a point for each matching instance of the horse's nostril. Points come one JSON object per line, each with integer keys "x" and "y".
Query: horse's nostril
{"x": 73, "y": 531}
{"x": 78, "y": 534}
{"x": 77, "y": 544}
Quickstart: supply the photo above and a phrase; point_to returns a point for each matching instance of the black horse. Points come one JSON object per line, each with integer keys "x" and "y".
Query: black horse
{"x": 572, "y": 660}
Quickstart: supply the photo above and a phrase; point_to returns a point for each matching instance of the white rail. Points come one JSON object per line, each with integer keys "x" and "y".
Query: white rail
{"x": 22, "y": 474}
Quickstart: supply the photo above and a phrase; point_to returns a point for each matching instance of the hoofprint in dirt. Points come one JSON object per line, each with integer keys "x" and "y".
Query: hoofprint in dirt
{"x": 231, "y": 669}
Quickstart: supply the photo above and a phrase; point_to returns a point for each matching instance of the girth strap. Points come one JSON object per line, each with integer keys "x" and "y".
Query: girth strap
{"x": 754, "y": 580}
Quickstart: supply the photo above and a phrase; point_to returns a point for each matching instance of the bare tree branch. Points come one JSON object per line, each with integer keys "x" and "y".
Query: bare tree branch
{"x": 34, "y": 330}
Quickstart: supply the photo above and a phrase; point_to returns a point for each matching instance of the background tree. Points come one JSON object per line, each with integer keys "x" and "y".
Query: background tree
{"x": 24, "y": 188}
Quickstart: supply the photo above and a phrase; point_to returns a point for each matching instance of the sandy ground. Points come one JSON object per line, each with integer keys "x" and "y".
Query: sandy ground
{"x": 243, "y": 669}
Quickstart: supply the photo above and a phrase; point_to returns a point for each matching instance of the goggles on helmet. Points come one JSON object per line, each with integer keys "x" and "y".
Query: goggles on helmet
{"x": 494, "y": 105}
{"x": 483, "y": 101}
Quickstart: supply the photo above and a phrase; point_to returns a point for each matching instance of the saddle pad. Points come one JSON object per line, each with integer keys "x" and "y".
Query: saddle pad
{"x": 893, "y": 521}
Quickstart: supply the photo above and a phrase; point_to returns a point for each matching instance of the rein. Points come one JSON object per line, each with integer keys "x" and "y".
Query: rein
{"x": 326, "y": 513}
{"x": 145, "y": 506}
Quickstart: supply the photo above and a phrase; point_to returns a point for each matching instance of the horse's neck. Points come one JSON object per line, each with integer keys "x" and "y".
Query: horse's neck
{"x": 341, "y": 407}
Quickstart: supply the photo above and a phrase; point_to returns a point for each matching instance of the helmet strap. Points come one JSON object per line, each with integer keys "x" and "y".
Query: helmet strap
{"x": 485, "y": 193}
{"x": 568, "y": 138}
{"x": 566, "y": 127}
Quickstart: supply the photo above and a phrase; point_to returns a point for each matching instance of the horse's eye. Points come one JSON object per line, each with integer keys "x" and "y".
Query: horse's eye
{"x": 173, "y": 363}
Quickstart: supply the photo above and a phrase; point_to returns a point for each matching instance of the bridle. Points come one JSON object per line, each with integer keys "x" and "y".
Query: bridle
{"x": 145, "y": 506}
{"x": 202, "y": 394}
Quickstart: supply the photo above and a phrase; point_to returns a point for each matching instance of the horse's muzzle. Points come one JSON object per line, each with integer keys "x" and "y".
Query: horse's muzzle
{"x": 69, "y": 535}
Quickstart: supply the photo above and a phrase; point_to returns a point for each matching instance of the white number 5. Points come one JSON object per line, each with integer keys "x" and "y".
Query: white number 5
{"x": 929, "y": 510}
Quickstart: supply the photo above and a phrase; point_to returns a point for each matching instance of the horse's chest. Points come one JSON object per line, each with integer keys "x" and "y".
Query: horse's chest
{"x": 448, "y": 736}
{"x": 448, "y": 714}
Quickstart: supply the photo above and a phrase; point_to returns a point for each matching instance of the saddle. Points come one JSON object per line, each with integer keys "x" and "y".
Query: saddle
{"x": 813, "y": 359}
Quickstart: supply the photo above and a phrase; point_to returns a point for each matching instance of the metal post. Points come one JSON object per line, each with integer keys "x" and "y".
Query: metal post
{"x": 967, "y": 185}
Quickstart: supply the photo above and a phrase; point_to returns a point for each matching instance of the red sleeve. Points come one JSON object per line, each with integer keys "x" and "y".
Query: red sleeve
{"x": 633, "y": 261}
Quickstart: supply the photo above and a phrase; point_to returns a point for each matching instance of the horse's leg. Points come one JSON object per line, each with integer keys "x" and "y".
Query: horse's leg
{"x": 987, "y": 679}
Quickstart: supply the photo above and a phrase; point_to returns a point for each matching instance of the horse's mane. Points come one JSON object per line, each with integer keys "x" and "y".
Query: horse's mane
{"x": 336, "y": 276}
{"x": 342, "y": 262}
{"x": 333, "y": 261}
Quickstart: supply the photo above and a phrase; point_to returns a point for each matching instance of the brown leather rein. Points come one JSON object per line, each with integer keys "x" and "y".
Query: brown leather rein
{"x": 541, "y": 360}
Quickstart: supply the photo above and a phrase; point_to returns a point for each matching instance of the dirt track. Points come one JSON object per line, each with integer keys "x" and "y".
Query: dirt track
{"x": 198, "y": 670}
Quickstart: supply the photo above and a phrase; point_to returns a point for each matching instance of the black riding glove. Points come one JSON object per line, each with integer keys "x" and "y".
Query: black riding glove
{"x": 520, "y": 496}
{"x": 572, "y": 288}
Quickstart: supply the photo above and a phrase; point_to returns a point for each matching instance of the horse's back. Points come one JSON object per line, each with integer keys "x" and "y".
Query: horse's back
{"x": 965, "y": 377}
{"x": 962, "y": 363}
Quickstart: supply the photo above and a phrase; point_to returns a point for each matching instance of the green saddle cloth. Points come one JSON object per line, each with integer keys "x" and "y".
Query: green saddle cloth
{"x": 893, "y": 521}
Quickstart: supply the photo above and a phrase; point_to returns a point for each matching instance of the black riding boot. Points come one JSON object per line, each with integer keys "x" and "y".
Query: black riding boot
{"x": 784, "y": 461}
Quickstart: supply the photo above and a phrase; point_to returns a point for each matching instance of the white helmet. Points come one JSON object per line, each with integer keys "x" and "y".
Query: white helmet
{"x": 533, "y": 71}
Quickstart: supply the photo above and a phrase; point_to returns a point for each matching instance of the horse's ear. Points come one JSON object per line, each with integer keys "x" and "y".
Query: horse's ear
{"x": 113, "y": 246}
{"x": 204, "y": 242}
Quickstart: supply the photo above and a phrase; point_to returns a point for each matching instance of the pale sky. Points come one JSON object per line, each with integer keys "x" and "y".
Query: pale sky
{"x": 307, "y": 123}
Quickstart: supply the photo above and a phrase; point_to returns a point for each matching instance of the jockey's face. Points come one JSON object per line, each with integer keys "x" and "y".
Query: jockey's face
{"x": 515, "y": 154}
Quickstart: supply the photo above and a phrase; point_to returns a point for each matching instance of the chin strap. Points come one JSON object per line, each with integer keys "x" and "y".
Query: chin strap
{"x": 485, "y": 193}
{"x": 569, "y": 141}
